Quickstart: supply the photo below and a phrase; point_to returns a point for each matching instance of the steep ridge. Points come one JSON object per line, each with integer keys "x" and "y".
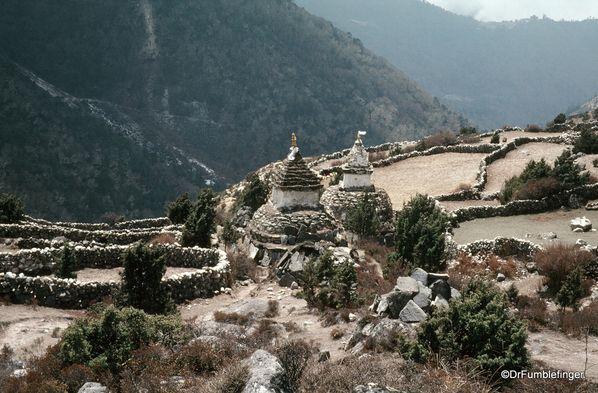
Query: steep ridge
{"x": 222, "y": 83}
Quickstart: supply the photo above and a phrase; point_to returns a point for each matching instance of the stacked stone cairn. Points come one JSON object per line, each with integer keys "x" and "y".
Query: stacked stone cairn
{"x": 413, "y": 296}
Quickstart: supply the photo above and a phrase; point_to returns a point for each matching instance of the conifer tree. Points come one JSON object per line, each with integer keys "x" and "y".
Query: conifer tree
{"x": 179, "y": 210}
{"x": 141, "y": 285}
{"x": 571, "y": 290}
{"x": 363, "y": 219}
{"x": 11, "y": 209}
{"x": 201, "y": 224}
{"x": 67, "y": 264}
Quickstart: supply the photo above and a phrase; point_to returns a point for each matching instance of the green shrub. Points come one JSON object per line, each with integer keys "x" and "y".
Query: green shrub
{"x": 568, "y": 172}
{"x": 419, "y": 236}
{"x": 254, "y": 195}
{"x": 11, "y": 209}
{"x": 559, "y": 261}
{"x": 587, "y": 142}
{"x": 538, "y": 189}
{"x": 327, "y": 285}
{"x": 363, "y": 219}
{"x": 107, "y": 342}
{"x": 141, "y": 285}
{"x": 468, "y": 130}
{"x": 67, "y": 264}
{"x": 495, "y": 138}
{"x": 475, "y": 326}
{"x": 201, "y": 223}
{"x": 229, "y": 234}
{"x": 179, "y": 210}
{"x": 571, "y": 291}
{"x": 533, "y": 171}
{"x": 396, "y": 151}
{"x": 112, "y": 218}
{"x": 561, "y": 118}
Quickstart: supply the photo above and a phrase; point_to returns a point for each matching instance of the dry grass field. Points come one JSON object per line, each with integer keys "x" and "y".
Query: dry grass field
{"x": 433, "y": 175}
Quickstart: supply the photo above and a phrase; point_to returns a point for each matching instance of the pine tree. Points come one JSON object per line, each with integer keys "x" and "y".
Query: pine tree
{"x": 179, "y": 210}
{"x": 419, "y": 236}
{"x": 363, "y": 219}
{"x": 229, "y": 234}
{"x": 141, "y": 286}
{"x": 67, "y": 264}
{"x": 571, "y": 291}
{"x": 201, "y": 224}
{"x": 11, "y": 209}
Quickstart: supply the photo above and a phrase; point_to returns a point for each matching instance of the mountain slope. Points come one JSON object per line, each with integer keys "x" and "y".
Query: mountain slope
{"x": 516, "y": 73}
{"x": 69, "y": 165}
{"x": 222, "y": 82}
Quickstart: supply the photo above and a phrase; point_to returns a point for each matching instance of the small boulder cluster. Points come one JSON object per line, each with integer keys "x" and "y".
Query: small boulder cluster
{"x": 581, "y": 224}
{"x": 414, "y": 295}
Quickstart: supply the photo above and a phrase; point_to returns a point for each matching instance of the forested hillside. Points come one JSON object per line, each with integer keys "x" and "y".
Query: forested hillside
{"x": 221, "y": 82}
{"x": 516, "y": 73}
{"x": 68, "y": 165}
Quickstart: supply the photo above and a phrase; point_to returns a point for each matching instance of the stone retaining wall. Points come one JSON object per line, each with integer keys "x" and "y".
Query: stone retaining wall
{"x": 114, "y": 236}
{"x": 95, "y": 255}
{"x": 133, "y": 224}
{"x": 501, "y": 246}
{"x": 68, "y": 293}
{"x": 587, "y": 192}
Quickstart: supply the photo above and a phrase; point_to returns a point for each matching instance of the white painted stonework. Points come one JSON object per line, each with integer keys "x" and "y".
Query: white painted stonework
{"x": 287, "y": 198}
{"x": 354, "y": 180}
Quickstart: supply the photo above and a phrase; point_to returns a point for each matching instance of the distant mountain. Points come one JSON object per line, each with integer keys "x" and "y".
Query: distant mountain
{"x": 217, "y": 84}
{"x": 516, "y": 73}
{"x": 68, "y": 162}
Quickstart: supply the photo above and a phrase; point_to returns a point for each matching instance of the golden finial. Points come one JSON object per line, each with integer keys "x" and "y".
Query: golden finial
{"x": 294, "y": 140}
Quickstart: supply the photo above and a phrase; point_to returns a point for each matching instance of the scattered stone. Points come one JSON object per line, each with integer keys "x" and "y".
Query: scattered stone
{"x": 407, "y": 284}
{"x": 592, "y": 205}
{"x": 420, "y": 275}
{"x": 374, "y": 388}
{"x": 287, "y": 280}
{"x": 500, "y": 277}
{"x": 323, "y": 356}
{"x": 437, "y": 276}
{"x": 440, "y": 302}
{"x": 581, "y": 242}
{"x": 396, "y": 301}
{"x": 294, "y": 285}
{"x": 266, "y": 374}
{"x": 578, "y": 230}
{"x": 531, "y": 267}
{"x": 93, "y": 387}
{"x": 412, "y": 313}
{"x": 352, "y": 317}
{"x": 455, "y": 294}
{"x": 253, "y": 251}
{"x": 256, "y": 306}
{"x": 440, "y": 287}
{"x": 574, "y": 201}
{"x": 547, "y": 235}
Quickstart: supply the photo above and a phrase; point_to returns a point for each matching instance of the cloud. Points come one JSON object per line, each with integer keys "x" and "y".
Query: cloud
{"x": 499, "y": 10}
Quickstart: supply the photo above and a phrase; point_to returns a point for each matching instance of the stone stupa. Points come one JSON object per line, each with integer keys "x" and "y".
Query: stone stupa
{"x": 294, "y": 213}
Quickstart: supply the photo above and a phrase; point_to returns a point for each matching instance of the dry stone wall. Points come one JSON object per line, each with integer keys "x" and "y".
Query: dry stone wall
{"x": 114, "y": 236}
{"x": 502, "y": 246}
{"x": 211, "y": 278}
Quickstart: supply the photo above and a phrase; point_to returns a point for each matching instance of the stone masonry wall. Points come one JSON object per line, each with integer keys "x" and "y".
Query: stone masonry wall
{"x": 210, "y": 279}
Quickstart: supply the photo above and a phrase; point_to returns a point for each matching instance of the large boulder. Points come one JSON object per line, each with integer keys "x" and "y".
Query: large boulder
{"x": 256, "y": 306}
{"x": 420, "y": 275}
{"x": 412, "y": 313}
{"x": 396, "y": 301}
{"x": 583, "y": 223}
{"x": 440, "y": 287}
{"x": 266, "y": 374}
{"x": 407, "y": 284}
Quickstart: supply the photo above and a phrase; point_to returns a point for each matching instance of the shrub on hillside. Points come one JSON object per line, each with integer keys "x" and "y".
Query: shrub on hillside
{"x": 328, "y": 285}
{"x": 112, "y": 218}
{"x": 179, "y": 210}
{"x": 107, "y": 342}
{"x": 11, "y": 209}
{"x": 533, "y": 128}
{"x": 533, "y": 171}
{"x": 557, "y": 261}
{"x": 468, "y": 130}
{"x": 66, "y": 264}
{"x": 571, "y": 291}
{"x": 229, "y": 234}
{"x": 363, "y": 219}
{"x": 538, "y": 189}
{"x": 396, "y": 151}
{"x": 419, "y": 236}
{"x": 587, "y": 142}
{"x": 568, "y": 172}
{"x": 201, "y": 224}
{"x": 475, "y": 326}
{"x": 141, "y": 285}
{"x": 254, "y": 195}
{"x": 533, "y": 309}
{"x": 440, "y": 139}
{"x": 241, "y": 266}
{"x": 561, "y": 118}
{"x": 495, "y": 139}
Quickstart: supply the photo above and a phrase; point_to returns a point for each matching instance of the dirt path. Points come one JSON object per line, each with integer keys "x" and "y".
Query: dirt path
{"x": 433, "y": 175}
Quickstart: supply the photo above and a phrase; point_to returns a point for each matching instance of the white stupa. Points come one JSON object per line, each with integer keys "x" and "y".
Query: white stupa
{"x": 357, "y": 171}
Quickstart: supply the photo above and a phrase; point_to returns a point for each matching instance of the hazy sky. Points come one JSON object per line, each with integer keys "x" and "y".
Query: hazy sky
{"x": 499, "y": 10}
